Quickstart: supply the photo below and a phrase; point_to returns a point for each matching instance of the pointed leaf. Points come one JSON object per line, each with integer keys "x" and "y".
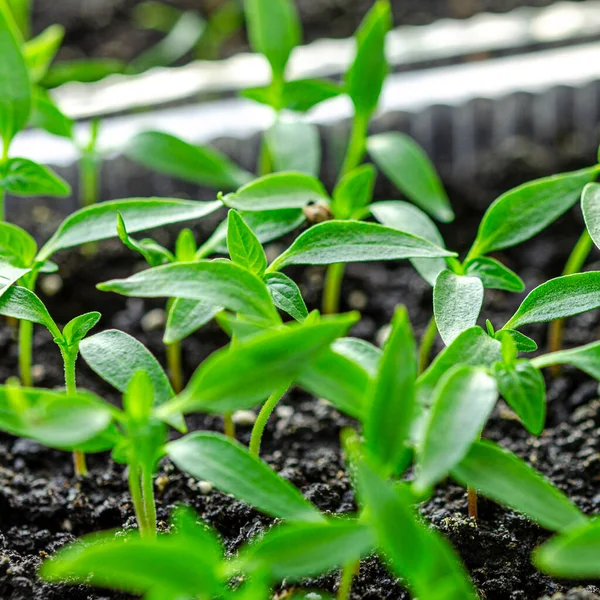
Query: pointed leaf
{"x": 40, "y": 51}
{"x": 23, "y": 177}
{"x": 586, "y": 358}
{"x": 494, "y": 274}
{"x": 20, "y": 303}
{"x": 76, "y": 329}
{"x": 590, "y": 205}
{"x": 243, "y": 245}
{"x": 295, "y": 146}
{"x": 286, "y": 295}
{"x": 47, "y": 115}
{"x": 10, "y": 274}
{"x": 187, "y": 316}
{"x": 524, "y": 343}
{"x": 16, "y": 245}
{"x": 154, "y": 254}
{"x": 354, "y": 192}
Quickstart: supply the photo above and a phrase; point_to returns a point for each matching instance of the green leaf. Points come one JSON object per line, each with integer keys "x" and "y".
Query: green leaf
{"x": 586, "y": 358}
{"x": 20, "y": 303}
{"x": 185, "y": 246}
{"x": 197, "y": 164}
{"x": 286, "y": 295}
{"x": 418, "y": 554}
{"x": 40, "y": 51}
{"x": 187, "y": 316}
{"x": 21, "y": 11}
{"x": 354, "y": 241}
{"x": 524, "y": 211}
{"x": 10, "y": 274}
{"x": 391, "y": 399}
{"x": 354, "y": 192}
{"x": 86, "y": 70}
{"x": 221, "y": 283}
{"x": 524, "y": 343}
{"x": 278, "y": 190}
{"x": 505, "y": 478}
{"x": 76, "y": 329}
{"x": 243, "y": 245}
{"x": 295, "y": 146}
{"x": 364, "y": 79}
{"x": 98, "y": 222}
{"x": 410, "y": 219}
{"x": 360, "y": 351}
{"x": 23, "y": 177}
{"x": 457, "y": 302}
{"x": 412, "y": 172}
{"x": 494, "y": 274}
{"x": 273, "y": 30}
{"x": 472, "y": 347}
{"x": 573, "y": 554}
{"x": 47, "y": 115}
{"x": 15, "y": 85}
{"x": 54, "y": 419}
{"x": 558, "y": 298}
{"x": 524, "y": 389}
{"x": 462, "y": 404}
{"x": 154, "y": 254}
{"x": 297, "y": 550}
{"x": 233, "y": 470}
{"x": 16, "y": 245}
{"x": 240, "y": 376}
{"x": 590, "y": 205}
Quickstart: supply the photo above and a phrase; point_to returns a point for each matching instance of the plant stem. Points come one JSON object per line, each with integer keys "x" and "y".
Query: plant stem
{"x": 346, "y": 577}
{"x": 149, "y": 504}
{"x": 25, "y": 350}
{"x": 265, "y": 163}
{"x": 356, "y": 145}
{"x": 333, "y": 288}
{"x": 574, "y": 264}
{"x": 263, "y": 417}
{"x": 472, "y": 502}
{"x": 174, "y": 365}
{"x": 229, "y": 425}
{"x": 427, "y": 340}
{"x": 136, "y": 496}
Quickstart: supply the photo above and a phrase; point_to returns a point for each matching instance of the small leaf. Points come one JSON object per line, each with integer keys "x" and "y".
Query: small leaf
{"x": 524, "y": 211}
{"x": 410, "y": 219}
{"x": 47, "y": 115}
{"x": 187, "y": 316}
{"x": 507, "y": 479}
{"x": 494, "y": 274}
{"x": 457, "y": 302}
{"x": 16, "y": 245}
{"x": 276, "y": 191}
{"x": 295, "y": 146}
{"x": 590, "y": 205}
{"x": 9, "y": 275}
{"x": 197, "y": 164}
{"x": 40, "y": 51}
{"x": 23, "y": 177}
{"x": 294, "y": 551}
{"x": 364, "y": 79}
{"x": 391, "y": 400}
{"x": 185, "y": 246}
{"x": 573, "y": 554}
{"x": 286, "y": 295}
{"x": 274, "y": 30}
{"x": 354, "y": 241}
{"x": 523, "y": 343}
{"x": 240, "y": 376}
{"x": 221, "y": 283}
{"x": 98, "y": 222}
{"x": 233, "y": 470}
{"x": 76, "y": 329}
{"x": 86, "y": 70}
{"x": 243, "y": 245}
{"x": 20, "y": 303}
{"x": 354, "y": 192}
{"x": 410, "y": 170}
{"x": 138, "y": 398}
{"x": 462, "y": 404}
{"x": 586, "y": 358}
{"x": 154, "y": 254}
{"x": 558, "y": 298}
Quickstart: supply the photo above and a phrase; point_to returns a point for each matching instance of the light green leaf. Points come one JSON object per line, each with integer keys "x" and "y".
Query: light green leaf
{"x": 524, "y": 343}
{"x": 99, "y": 222}
{"x": 23, "y": 177}
{"x": 273, "y": 30}
{"x": 86, "y": 70}
{"x": 21, "y": 11}
{"x": 232, "y": 469}
{"x": 243, "y": 245}
{"x": 364, "y": 79}
{"x": 295, "y": 146}
{"x": 558, "y": 298}
{"x": 76, "y": 329}
{"x": 457, "y": 301}
{"x": 197, "y": 164}
{"x": 286, "y": 295}
{"x": 410, "y": 170}
{"x": 360, "y": 351}
{"x": 10, "y": 274}
{"x": 590, "y": 205}
{"x": 20, "y": 303}
{"x": 391, "y": 399}
{"x": 524, "y": 211}
{"x": 354, "y": 241}
{"x": 185, "y": 246}
{"x": 187, "y": 316}
{"x": 505, "y": 478}
{"x": 354, "y": 192}
{"x": 278, "y": 190}
{"x": 586, "y": 358}
{"x": 494, "y": 274}
{"x": 40, "y": 51}
{"x": 47, "y": 115}
{"x": 154, "y": 254}
{"x": 461, "y": 406}
{"x": 16, "y": 245}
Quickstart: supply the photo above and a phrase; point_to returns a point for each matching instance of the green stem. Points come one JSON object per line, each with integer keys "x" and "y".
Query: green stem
{"x": 346, "y": 578}
{"x": 25, "y": 351}
{"x": 136, "y": 496}
{"x": 265, "y": 163}
{"x": 149, "y": 504}
{"x": 333, "y": 288}
{"x": 574, "y": 264}
{"x": 356, "y": 145}
{"x": 69, "y": 357}
{"x": 263, "y": 417}
{"x": 427, "y": 344}
{"x": 229, "y": 425}
{"x": 89, "y": 168}
{"x": 174, "y": 364}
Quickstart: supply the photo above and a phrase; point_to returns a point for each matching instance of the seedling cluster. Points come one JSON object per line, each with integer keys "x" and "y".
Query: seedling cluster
{"x": 417, "y": 422}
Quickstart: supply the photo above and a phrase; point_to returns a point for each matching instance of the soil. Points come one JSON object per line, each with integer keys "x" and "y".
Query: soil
{"x": 42, "y": 505}
{"x": 106, "y": 28}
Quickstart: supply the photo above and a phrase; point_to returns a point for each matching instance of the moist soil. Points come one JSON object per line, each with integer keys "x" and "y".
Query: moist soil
{"x": 107, "y": 29}
{"x": 43, "y": 506}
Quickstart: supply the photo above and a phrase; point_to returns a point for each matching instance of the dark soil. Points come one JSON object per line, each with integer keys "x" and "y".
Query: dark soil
{"x": 42, "y": 506}
{"x": 105, "y": 28}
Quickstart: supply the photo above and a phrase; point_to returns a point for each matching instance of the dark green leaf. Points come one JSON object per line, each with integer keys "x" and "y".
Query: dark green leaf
{"x": 586, "y": 358}
{"x": 76, "y": 329}
{"x": 494, "y": 274}
{"x": 187, "y": 316}
{"x": 286, "y": 295}
{"x": 354, "y": 192}
{"x": 40, "y": 51}
{"x": 20, "y": 303}
{"x": 524, "y": 343}
{"x": 154, "y": 254}
{"x": 243, "y": 245}
{"x": 505, "y": 478}
{"x": 233, "y": 470}
{"x": 23, "y": 177}
{"x": 295, "y": 146}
